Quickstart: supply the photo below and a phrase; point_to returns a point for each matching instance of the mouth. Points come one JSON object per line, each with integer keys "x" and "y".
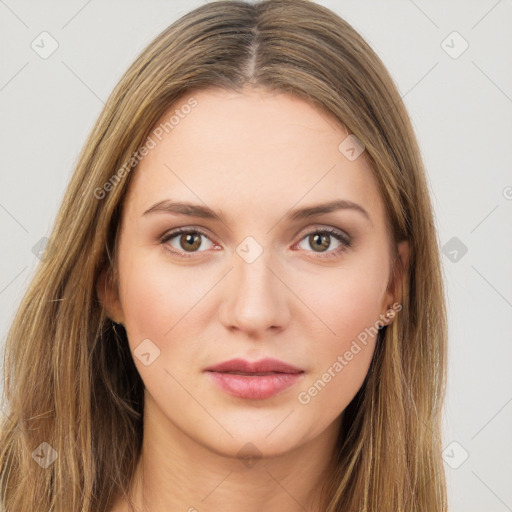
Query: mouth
{"x": 254, "y": 380}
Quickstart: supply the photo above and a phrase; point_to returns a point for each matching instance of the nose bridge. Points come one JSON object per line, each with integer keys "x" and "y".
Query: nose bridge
{"x": 256, "y": 297}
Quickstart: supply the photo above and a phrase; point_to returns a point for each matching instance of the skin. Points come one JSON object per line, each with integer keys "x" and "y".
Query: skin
{"x": 252, "y": 157}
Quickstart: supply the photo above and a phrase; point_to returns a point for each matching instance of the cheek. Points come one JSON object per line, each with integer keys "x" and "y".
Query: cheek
{"x": 158, "y": 306}
{"x": 346, "y": 300}
{"x": 161, "y": 303}
{"x": 342, "y": 363}
{"x": 349, "y": 307}
{"x": 149, "y": 300}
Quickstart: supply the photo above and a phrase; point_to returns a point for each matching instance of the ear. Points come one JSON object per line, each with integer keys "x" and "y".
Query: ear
{"x": 108, "y": 296}
{"x": 394, "y": 293}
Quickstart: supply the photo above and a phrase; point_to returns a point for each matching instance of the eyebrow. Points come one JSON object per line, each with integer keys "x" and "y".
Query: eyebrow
{"x": 196, "y": 210}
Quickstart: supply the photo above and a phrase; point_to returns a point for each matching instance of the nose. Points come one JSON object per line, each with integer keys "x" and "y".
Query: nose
{"x": 256, "y": 298}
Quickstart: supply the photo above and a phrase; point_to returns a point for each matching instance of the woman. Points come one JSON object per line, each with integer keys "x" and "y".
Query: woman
{"x": 241, "y": 305}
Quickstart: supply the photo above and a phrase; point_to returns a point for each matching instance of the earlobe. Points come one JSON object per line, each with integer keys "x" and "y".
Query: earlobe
{"x": 109, "y": 297}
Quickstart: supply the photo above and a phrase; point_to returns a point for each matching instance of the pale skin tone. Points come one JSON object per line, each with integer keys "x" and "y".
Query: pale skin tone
{"x": 252, "y": 157}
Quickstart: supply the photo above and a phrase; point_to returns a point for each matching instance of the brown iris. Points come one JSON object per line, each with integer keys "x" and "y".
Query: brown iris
{"x": 190, "y": 238}
{"x": 322, "y": 238}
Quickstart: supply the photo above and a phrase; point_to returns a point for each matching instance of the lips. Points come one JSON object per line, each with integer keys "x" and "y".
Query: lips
{"x": 254, "y": 380}
{"x": 263, "y": 367}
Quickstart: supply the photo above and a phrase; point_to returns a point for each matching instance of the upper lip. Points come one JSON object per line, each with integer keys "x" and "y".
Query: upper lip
{"x": 262, "y": 366}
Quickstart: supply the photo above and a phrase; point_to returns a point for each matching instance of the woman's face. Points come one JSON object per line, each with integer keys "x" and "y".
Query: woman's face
{"x": 251, "y": 277}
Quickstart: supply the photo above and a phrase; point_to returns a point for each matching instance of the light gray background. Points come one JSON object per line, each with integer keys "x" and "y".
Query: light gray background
{"x": 461, "y": 109}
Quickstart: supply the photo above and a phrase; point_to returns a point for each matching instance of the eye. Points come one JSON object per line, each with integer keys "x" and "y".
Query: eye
{"x": 189, "y": 241}
{"x": 321, "y": 241}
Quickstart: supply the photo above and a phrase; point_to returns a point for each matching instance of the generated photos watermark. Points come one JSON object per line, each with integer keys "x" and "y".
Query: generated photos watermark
{"x": 304, "y": 397}
{"x": 151, "y": 142}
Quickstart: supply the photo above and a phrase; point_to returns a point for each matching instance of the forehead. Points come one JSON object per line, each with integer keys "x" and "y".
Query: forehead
{"x": 236, "y": 151}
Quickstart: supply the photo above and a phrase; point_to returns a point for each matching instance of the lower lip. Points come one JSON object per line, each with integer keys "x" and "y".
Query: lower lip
{"x": 256, "y": 387}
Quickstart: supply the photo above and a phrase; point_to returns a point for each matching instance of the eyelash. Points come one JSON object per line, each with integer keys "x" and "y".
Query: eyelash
{"x": 346, "y": 241}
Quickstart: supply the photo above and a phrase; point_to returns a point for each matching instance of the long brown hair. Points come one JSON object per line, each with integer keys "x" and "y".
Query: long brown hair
{"x": 70, "y": 380}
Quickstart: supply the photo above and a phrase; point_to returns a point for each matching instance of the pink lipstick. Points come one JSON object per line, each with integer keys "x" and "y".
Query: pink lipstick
{"x": 254, "y": 380}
